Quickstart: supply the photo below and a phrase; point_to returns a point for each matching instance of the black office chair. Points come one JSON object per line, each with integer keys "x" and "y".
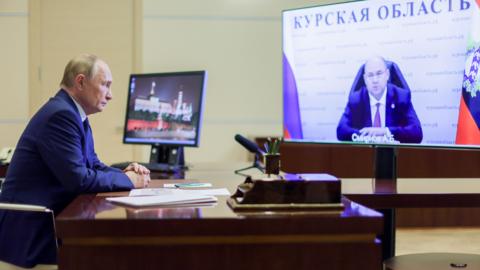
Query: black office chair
{"x": 396, "y": 77}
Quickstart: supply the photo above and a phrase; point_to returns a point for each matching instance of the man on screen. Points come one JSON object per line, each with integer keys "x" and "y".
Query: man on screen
{"x": 379, "y": 111}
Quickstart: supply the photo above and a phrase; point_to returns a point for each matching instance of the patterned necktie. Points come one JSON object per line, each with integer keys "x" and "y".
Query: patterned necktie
{"x": 376, "y": 119}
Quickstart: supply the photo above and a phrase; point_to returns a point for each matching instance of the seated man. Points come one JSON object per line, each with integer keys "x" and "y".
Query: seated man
{"x": 55, "y": 161}
{"x": 379, "y": 110}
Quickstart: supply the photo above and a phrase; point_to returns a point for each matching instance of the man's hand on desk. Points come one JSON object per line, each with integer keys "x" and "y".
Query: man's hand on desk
{"x": 137, "y": 168}
{"x": 139, "y": 175}
{"x": 138, "y": 180}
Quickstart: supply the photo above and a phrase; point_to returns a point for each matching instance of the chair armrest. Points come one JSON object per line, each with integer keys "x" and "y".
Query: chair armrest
{"x": 24, "y": 207}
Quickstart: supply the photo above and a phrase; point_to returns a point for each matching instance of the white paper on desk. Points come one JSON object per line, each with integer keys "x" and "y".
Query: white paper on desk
{"x": 165, "y": 200}
{"x": 169, "y": 191}
{"x": 151, "y": 192}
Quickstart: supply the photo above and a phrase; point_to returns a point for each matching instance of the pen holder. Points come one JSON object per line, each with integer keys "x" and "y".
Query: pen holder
{"x": 272, "y": 163}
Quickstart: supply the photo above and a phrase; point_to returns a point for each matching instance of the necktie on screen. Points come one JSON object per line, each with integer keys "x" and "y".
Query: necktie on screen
{"x": 376, "y": 119}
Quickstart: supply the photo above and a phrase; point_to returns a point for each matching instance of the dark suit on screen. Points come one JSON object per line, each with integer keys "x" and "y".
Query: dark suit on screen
{"x": 54, "y": 162}
{"x": 400, "y": 116}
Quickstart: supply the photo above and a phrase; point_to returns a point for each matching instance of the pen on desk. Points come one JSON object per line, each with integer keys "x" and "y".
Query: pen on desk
{"x": 187, "y": 185}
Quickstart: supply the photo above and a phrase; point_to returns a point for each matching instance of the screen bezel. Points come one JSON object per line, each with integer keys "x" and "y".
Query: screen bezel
{"x": 201, "y": 104}
{"x": 374, "y": 145}
{"x": 350, "y": 143}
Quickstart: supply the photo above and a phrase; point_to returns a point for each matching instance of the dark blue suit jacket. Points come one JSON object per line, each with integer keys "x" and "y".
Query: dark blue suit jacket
{"x": 54, "y": 161}
{"x": 400, "y": 117}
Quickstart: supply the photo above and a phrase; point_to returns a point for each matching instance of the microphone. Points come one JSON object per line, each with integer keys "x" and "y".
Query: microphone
{"x": 249, "y": 145}
{"x": 252, "y": 148}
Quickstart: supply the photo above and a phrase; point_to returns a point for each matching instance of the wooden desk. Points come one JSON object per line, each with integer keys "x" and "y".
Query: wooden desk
{"x": 96, "y": 234}
{"x": 348, "y": 161}
{"x": 413, "y": 192}
{"x": 387, "y": 195}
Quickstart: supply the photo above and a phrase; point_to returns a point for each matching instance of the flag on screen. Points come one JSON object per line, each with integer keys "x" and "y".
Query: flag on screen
{"x": 292, "y": 126}
{"x": 468, "y": 131}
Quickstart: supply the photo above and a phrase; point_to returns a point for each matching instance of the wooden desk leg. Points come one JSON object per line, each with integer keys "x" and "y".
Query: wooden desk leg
{"x": 388, "y": 237}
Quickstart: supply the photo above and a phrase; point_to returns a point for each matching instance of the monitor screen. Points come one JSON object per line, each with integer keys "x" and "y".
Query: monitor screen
{"x": 380, "y": 72}
{"x": 165, "y": 108}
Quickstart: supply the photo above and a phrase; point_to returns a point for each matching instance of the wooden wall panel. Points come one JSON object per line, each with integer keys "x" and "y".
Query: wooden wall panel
{"x": 357, "y": 161}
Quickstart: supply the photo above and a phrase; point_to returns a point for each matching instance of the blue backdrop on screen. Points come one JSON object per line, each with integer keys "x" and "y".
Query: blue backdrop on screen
{"x": 325, "y": 46}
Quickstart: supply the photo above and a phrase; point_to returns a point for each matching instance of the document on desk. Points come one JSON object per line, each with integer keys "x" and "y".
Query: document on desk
{"x": 163, "y": 200}
{"x": 170, "y": 191}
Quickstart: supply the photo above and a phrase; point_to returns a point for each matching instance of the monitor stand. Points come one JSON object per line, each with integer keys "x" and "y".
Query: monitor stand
{"x": 166, "y": 159}
{"x": 385, "y": 166}
{"x": 256, "y": 164}
{"x": 385, "y": 169}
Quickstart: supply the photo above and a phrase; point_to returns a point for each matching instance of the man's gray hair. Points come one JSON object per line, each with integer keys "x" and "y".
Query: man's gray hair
{"x": 377, "y": 57}
{"x": 83, "y": 64}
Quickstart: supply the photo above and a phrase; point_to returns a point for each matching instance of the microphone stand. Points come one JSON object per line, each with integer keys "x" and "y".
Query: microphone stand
{"x": 256, "y": 164}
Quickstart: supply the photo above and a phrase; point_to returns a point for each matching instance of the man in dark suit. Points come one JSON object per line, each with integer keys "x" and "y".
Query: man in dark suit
{"x": 55, "y": 161}
{"x": 379, "y": 111}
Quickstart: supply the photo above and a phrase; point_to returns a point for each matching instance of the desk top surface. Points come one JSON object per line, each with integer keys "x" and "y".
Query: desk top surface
{"x": 412, "y": 192}
{"x": 93, "y": 207}
{"x": 99, "y": 208}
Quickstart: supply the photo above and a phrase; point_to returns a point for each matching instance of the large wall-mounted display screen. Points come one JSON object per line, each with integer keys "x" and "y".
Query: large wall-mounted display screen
{"x": 382, "y": 72}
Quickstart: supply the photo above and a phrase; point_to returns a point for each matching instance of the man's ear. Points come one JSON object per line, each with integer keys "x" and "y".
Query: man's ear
{"x": 79, "y": 81}
{"x": 388, "y": 73}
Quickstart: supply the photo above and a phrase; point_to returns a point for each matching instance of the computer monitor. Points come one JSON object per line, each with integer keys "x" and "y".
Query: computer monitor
{"x": 428, "y": 65}
{"x": 165, "y": 110}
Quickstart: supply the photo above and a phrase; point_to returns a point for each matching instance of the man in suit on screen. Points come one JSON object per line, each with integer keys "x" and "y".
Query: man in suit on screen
{"x": 55, "y": 161}
{"x": 379, "y": 109}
